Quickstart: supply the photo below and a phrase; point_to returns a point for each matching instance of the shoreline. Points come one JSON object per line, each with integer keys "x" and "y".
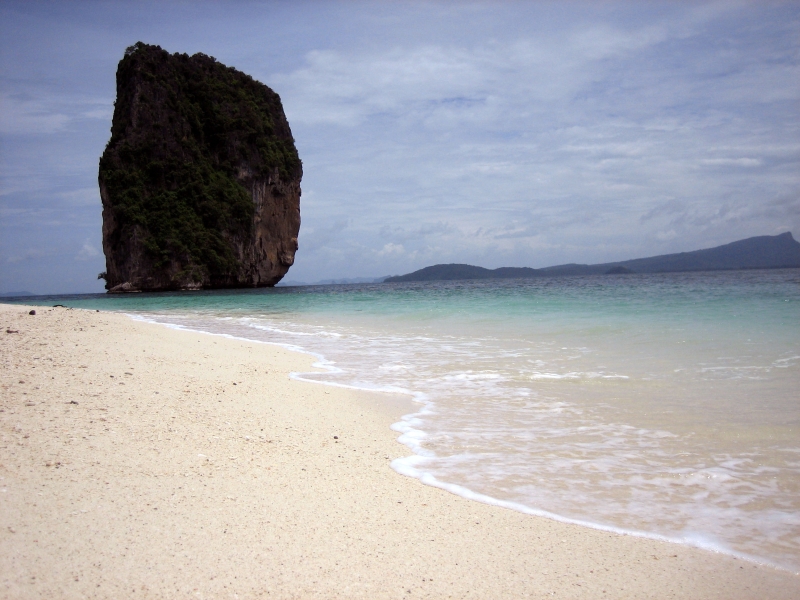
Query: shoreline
{"x": 396, "y": 404}
{"x": 407, "y": 405}
{"x": 140, "y": 460}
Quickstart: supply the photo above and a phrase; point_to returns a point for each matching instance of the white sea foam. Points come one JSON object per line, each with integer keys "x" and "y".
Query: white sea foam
{"x": 576, "y": 375}
{"x": 411, "y": 466}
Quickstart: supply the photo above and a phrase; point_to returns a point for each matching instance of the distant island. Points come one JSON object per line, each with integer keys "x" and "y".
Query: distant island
{"x": 762, "y": 252}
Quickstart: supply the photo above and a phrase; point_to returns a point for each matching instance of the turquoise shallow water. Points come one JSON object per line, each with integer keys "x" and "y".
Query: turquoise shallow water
{"x": 666, "y": 405}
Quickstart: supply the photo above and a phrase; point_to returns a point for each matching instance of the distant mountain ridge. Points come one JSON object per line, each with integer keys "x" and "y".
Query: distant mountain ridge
{"x": 761, "y": 252}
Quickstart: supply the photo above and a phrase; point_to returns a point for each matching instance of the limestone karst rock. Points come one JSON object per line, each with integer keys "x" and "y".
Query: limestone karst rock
{"x": 200, "y": 181}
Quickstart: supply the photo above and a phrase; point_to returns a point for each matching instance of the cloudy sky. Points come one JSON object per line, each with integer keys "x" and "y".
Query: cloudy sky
{"x": 496, "y": 134}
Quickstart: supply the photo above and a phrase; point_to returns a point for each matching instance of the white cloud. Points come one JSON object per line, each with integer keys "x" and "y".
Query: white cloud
{"x": 26, "y": 116}
{"x": 44, "y": 111}
{"x": 88, "y": 196}
{"x": 104, "y": 113}
{"x": 87, "y": 251}
{"x": 392, "y": 249}
{"x": 732, "y": 162}
{"x": 25, "y": 256}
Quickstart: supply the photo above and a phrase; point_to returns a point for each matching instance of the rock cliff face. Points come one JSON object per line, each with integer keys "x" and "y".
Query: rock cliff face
{"x": 200, "y": 181}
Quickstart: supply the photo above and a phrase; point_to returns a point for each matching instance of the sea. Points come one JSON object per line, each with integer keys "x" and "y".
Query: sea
{"x": 661, "y": 405}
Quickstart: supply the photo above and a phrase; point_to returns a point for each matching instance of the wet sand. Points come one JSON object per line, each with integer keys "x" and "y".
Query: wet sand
{"x": 138, "y": 461}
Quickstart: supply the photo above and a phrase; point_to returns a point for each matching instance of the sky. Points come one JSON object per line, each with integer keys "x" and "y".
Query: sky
{"x": 489, "y": 133}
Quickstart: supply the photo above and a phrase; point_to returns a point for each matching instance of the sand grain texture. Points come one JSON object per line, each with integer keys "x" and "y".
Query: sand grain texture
{"x": 131, "y": 466}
